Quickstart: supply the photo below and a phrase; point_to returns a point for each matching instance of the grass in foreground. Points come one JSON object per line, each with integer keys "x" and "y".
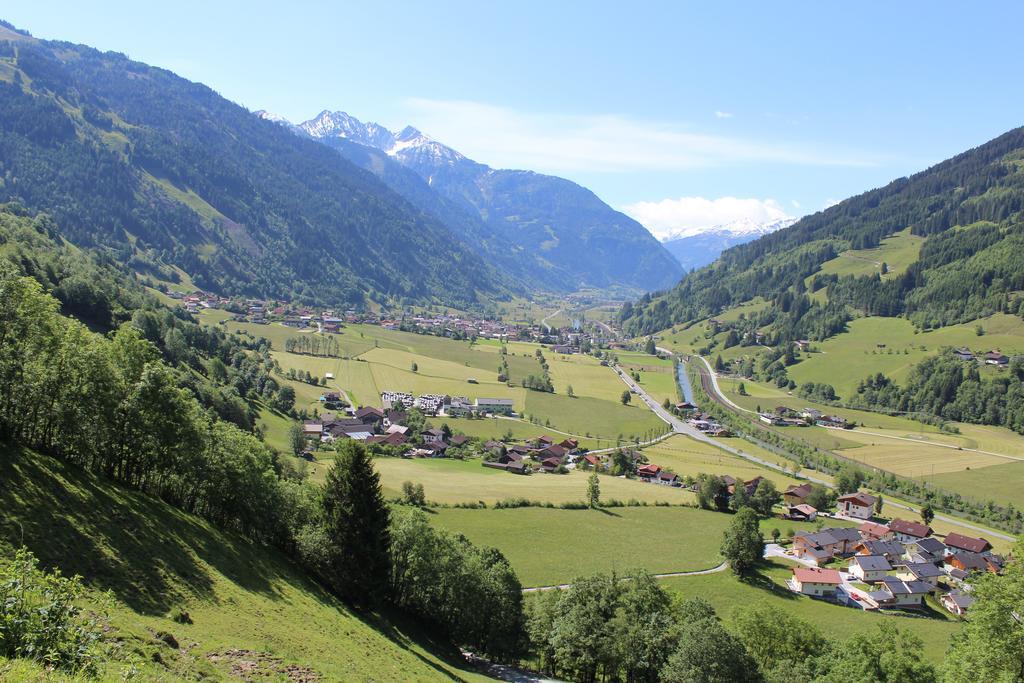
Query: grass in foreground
{"x": 155, "y": 559}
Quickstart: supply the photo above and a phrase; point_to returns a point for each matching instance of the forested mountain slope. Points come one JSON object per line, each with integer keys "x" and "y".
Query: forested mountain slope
{"x": 542, "y": 229}
{"x": 971, "y": 264}
{"x": 164, "y": 170}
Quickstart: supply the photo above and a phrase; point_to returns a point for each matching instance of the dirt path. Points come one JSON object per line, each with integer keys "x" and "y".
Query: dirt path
{"x": 666, "y": 575}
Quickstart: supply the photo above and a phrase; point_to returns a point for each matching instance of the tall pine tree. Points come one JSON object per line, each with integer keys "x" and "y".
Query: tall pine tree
{"x": 356, "y": 520}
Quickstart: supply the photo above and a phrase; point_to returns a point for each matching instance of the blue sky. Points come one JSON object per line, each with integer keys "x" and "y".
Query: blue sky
{"x": 667, "y": 109}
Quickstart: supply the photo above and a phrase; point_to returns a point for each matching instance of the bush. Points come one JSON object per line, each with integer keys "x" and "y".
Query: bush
{"x": 38, "y": 617}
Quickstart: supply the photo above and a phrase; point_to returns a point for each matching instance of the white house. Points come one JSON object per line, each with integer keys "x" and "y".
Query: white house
{"x": 496, "y": 406}
{"x": 857, "y": 505}
{"x": 869, "y": 568}
{"x": 957, "y": 602}
{"x": 815, "y": 581}
{"x": 925, "y": 572}
{"x": 909, "y": 532}
{"x": 897, "y": 593}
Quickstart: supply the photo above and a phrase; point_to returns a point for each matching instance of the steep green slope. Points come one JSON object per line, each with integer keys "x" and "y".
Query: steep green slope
{"x": 970, "y": 265}
{"x": 247, "y": 603}
{"x": 139, "y": 160}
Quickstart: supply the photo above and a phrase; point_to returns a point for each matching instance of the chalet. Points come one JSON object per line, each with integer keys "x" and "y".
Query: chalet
{"x": 667, "y": 478}
{"x": 964, "y": 354}
{"x": 435, "y": 449}
{"x": 848, "y": 538}
{"x": 803, "y": 344}
{"x": 685, "y": 407}
{"x": 397, "y": 429}
{"x": 433, "y": 435}
{"x": 957, "y": 602}
{"x": 869, "y": 568}
{"x": 908, "y": 532}
{"x": 553, "y": 451}
{"x": 973, "y": 562}
{"x": 958, "y": 543}
{"x": 543, "y": 441}
{"x": 874, "y": 531}
{"x": 815, "y": 582}
{"x": 920, "y": 571}
{"x": 994, "y": 357}
{"x": 459, "y": 440}
{"x": 494, "y": 406}
{"x": 593, "y": 461}
{"x": 897, "y": 593}
{"x": 392, "y": 439}
{"x": 857, "y": 505}
{"x": 395, "y": 417}
{"x": 369, "y": 415}
{"x": 800, "y": 513}
{"x": 648, "y": 472}
{"x": 550, "y": 464}
{"x": 833, "y": 422}
{"x": 890, "y": 550}
{"x": 569, "y": 445}
{"x": 818, "y": 547}
{"x": 795, "y": 495}
{"x": 312, "y": 429}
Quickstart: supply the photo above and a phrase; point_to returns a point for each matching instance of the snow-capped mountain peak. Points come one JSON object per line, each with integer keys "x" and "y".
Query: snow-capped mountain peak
{"x": 272, "y": 117}
{"x": 743, "y": 227}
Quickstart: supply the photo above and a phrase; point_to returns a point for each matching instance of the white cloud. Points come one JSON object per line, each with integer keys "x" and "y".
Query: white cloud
{"x": 723, "y": 115}
{"x": 557, "y": 143}
{"x": 670, "y": 218}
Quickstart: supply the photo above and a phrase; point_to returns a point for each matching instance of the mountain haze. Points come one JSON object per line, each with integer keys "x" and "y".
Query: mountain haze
{"x": 697, "y": 248}
{"x": 539, "y": 228}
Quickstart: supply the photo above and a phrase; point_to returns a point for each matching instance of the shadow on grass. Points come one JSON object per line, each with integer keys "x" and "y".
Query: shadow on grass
{"x": 606, "y": 511}
{"x": 760, "y": 578}
{"x": 148, "y": 554}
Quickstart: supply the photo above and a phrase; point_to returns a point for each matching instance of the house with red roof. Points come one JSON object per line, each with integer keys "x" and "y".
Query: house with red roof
{"x": 857, "y": 505}
{"x": 958, "y": 543}
{"x": 908, "y": 532}
{"x": 815, "y": 581}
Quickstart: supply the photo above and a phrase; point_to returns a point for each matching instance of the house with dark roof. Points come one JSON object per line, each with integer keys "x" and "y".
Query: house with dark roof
{"x": 996, "y": 358}
{"x": 550, "y": 464}
{"x": 370, "y": 415}
{"x": 957, "y": 602}
{"x": 869, "y": 568}
{"x": 890, "y": 550}
{"x": 958, "y": 543}
{"x": 821, "y": 546}
{"x": 973, "y": 562}
{"x": 928, "y": 549}
{"x": 667, "y": 478}
{"x": 433, "y": 435}
{"x": 800, "y": 513}
{"x": 907, "y": 532}
{"x": 857, "y": 505}
{"x": 459, "y": 440}
{"x": 920, "y": 571}
{"x": 897, "y": 593}
{"x": 795, "y": 495}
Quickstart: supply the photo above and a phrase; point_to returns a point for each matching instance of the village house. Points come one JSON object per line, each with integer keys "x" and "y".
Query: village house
{"x": 796, "y": 495}
{"x": 973, "y": 562}
{"x": 964, "y": 354}
{"x": 897, "y": 593}
{"x": 890, "y": 550}
{"x": 874, "y": 531}
{"x": 647, "y": 472}
{"x": 553, "y": 451}
{"x": 869, "y": 568}
{"x": 550, "y": 464}
{"x": 433, "y": 435}
{"x": 395, "y": 417}
{"x": 800, "y": 513}
{"x": 958, "y": 543}
{"x": 857, "y": 505}
{"x": 957, "y": 602}
{"x": 920, "y": 571}
{"x": 815, "y": 582}
{"x": 818, "y": 547}
{"x": 926, "y": 550}
{"x": 370, "y": 415}
{"x": 312, "y": 429}
{"x": 907, "y": 532}
{"x": 494, "y": 406}
{"x": 593, "y": 461}
{"x": 459, "y": 440}
{"x": 996, "y": 358}
{"x": 667, "y": 478}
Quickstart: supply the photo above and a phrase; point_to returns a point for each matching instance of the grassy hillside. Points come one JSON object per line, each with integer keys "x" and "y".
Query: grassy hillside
{"x": 155, "y": 560}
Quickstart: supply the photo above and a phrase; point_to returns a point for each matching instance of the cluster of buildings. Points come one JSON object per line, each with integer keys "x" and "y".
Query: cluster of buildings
{"x": 539, "y": 455}
{"x": 900, "y": 561}
{"x": 706, "y": 423}
{"x": 994, "y": 357}
{"x": 787, "y": 417}
{"x": 445, "y": 405}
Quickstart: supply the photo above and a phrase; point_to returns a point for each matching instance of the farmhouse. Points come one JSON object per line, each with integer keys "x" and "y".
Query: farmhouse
{"x": 434, "y": 435}
{"x": 996, "y": 358}
{"x": 495, "y": 406}
{"x": 800, "y": 513}
{"x": 369, "y": 415}
{"x": 795, "y": 495}
{"x": 667, "y": 478}
{"x": 857, "y": 505}
{"x": 869, "y": 568}
{"x": 958, "y": 543}
{"x": 964, "y": 354}
{"x": 908, "y": 532}
{"x": 816, "y": 582}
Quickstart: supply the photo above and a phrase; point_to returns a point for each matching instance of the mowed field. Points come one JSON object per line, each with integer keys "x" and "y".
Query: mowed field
{"x": 450, "y": 481}
{"x": 730, "y": 595}
{"x": 657, "y": 376}
{"x": 376, "y": 360}
{"x": 689, "y": 457}
{"x": 906, "y": 447}
{"x": 897, "y": 252}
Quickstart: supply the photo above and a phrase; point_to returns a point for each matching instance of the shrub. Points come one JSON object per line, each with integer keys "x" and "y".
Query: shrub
{"x": 39, "y": 619}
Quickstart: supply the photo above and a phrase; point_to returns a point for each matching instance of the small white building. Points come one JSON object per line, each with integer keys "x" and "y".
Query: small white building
{"x": 857, "y": 505}
{"x": 815, "y": 581}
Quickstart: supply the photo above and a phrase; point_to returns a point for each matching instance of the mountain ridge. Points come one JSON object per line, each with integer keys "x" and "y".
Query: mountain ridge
{"x": 697, "y": 247}
{"x": 560, "y": 234}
